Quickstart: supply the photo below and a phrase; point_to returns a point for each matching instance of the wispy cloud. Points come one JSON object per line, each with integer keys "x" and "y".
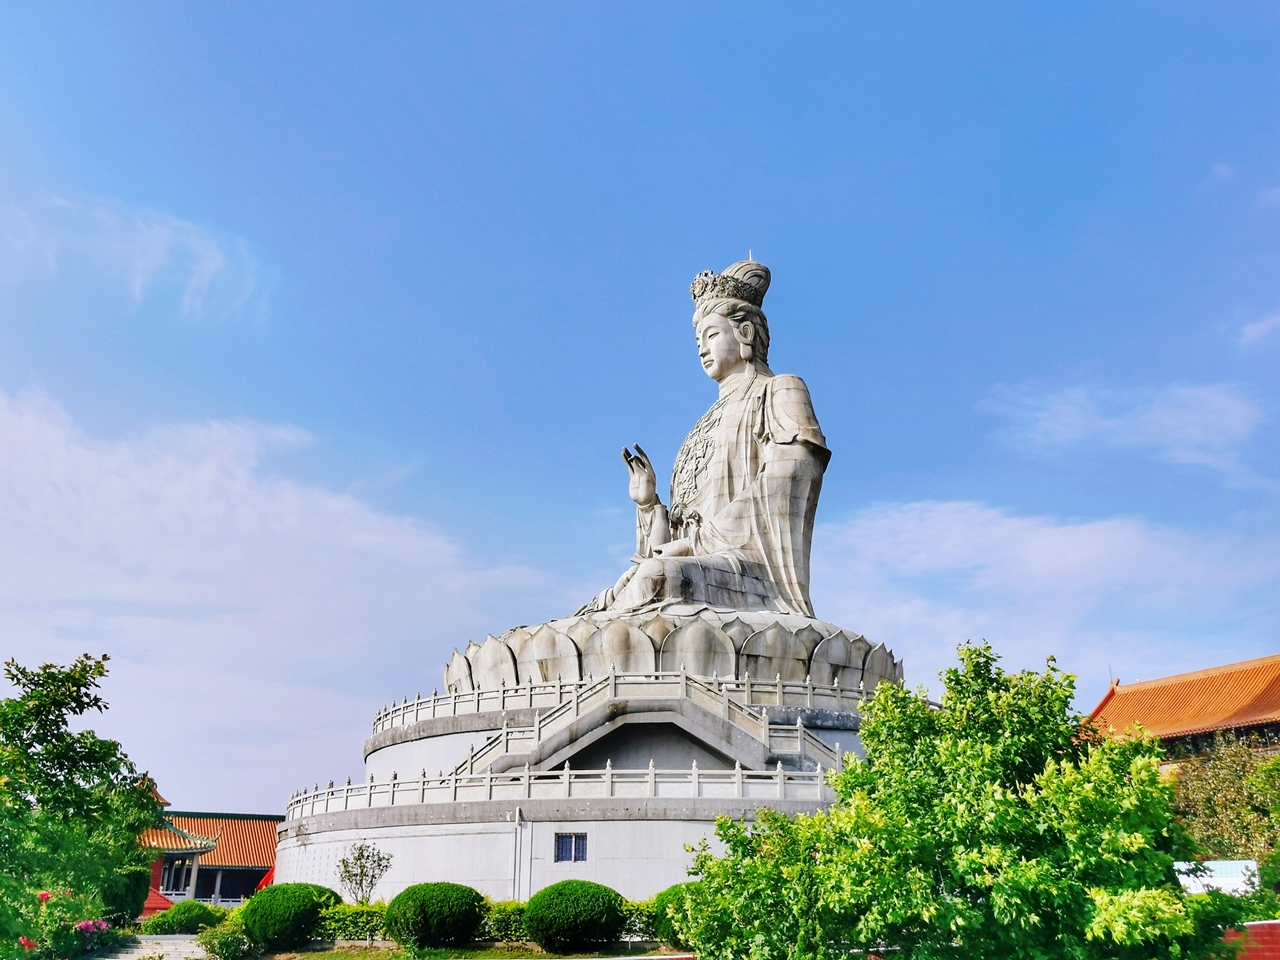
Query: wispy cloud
{"x": 1269, "y": 197}
{"x": 129, "y": 253}
{"x": 1144, "y": 599}
{"x": 1203, "y": 425}
{"x": 1253, "y": 332}
{"x": 255, "y": 622}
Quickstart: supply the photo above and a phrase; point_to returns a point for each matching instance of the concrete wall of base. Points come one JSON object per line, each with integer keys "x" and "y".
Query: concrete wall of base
{"x": 634, "y": 846}
{"x": 432, "y": 754}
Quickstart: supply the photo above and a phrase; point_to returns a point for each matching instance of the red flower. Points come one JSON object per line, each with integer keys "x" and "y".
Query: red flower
{"x": 44, "y": 894}
{"x": 28, "y": 944}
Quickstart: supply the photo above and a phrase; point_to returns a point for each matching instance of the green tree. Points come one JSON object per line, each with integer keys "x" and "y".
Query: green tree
{"x": 72, "y": 805}
{"x": 1225, "y": 798}
{"x": 361, "y": 869}
{"x": 996, "y": 826}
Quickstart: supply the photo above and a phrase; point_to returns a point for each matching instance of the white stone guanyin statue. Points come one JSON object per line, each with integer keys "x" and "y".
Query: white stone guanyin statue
{"x": 744, "y": 489}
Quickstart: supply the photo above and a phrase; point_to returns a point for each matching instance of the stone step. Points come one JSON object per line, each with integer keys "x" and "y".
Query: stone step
{"x": 171, "y": 947}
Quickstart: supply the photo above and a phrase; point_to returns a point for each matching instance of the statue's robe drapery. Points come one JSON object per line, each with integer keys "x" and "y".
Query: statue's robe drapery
{"x": 744, "y": 492}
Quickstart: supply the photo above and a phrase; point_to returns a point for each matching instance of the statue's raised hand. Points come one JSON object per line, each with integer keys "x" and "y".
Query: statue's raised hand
{"x": 643, "y": 486}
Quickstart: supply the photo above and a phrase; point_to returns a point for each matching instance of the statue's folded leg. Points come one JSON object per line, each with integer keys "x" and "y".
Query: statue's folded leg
{"x": 718, "y": 580}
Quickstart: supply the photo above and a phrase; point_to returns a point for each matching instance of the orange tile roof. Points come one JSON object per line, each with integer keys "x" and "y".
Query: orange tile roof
{"x": 243, "y": 839}
{"x": 171, "y": 839}
{"x": 156, "y": 902}
{"x": 1234, "y": 696}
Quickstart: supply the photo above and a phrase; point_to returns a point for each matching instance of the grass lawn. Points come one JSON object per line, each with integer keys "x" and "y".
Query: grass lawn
{"x": 455, "y": 953}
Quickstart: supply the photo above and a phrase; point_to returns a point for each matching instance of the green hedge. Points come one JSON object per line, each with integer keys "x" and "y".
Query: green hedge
{"x": 505, "y": 921}
{"x": 185, "y": 916}
{"x": 434, "y": 915}
{"x": 664, "y": 903}
{"x": 637, "y": 920}
{"x": 286, "y": 914}
{"x": 349, "y": 921}
{"x": 574, "y": 913}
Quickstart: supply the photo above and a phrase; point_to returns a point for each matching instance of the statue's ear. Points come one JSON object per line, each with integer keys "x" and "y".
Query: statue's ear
{"x": 746, "y": 335}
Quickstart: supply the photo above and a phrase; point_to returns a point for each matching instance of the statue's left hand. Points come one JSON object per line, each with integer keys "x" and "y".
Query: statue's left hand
{"x": 643, "y": 486}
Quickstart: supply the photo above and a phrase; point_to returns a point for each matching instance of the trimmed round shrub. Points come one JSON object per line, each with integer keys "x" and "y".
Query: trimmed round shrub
{"x": 663, "y": 929}
{"x": 434, "y": 915}
{"x": 185, "y": 916}
{"x": 574, "y": 913}
{"x": 284, "y": 915}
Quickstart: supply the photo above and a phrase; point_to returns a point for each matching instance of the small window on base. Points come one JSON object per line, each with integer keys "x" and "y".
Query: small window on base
{"x": 571, "y": 846}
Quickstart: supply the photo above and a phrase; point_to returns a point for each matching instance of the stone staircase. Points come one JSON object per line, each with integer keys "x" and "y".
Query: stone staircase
{"x": 515, "y": 744}
{"x": 172, "y": 947}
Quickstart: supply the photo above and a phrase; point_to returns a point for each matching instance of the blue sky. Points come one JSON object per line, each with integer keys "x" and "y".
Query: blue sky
{"x": 321, "y": 327}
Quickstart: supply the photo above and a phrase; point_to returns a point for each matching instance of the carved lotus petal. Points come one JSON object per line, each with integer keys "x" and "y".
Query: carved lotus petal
{"x": 457, "y": 673}
{"x": 775, "y": 652}
{"x": 837, "y": 660}
{"x": 549, "y": 655}
{"x": 621, "y": 645}
{"x": 878, "y": 666}
{"x": 493, "y": 665}
{"x": 703, "y": 650}
{"x": 738, "y": 631}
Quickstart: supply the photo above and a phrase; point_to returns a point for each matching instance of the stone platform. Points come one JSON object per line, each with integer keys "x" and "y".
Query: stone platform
{"x": 530, "y": 742}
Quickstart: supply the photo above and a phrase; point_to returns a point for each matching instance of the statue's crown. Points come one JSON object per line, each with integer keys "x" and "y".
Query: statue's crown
{"x": 709, "y": 285}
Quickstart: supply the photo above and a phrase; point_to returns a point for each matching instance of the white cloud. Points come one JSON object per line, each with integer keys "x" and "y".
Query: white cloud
{"x": 1253, "y": 332}
{"x": 1204, "y": 425}
{"x": 1222, "y": 171}
{"x": 1269, "y": 197}
{"x": 1118, "y": 593}
{"x": 255, "y": 622}
{"x": 129, "y": 254}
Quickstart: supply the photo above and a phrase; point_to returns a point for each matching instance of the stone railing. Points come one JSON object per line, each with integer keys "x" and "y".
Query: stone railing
{"x": 802, "y": 742}
{"x": 736, "y": 784}
{"x": 551, "y": 695}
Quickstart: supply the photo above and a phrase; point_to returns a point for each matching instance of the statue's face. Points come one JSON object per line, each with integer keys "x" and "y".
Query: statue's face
{"x": 718, "y": 347}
